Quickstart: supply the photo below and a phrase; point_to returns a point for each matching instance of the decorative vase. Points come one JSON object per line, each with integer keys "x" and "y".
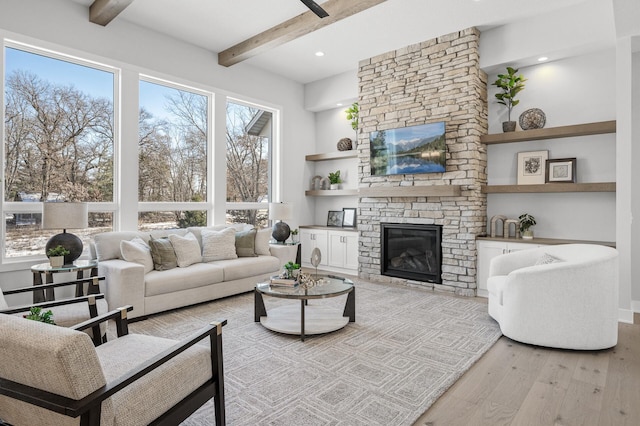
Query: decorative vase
{"x": 56, "y": 261}
{"x": 527, "y": 235}
{"x": 508, "y": 126}
{"x": 345, "y": 144}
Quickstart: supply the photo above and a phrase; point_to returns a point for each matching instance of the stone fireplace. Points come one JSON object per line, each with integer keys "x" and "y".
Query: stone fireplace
{"x": 411, "y": 251}
{"x": 437, "y": 80}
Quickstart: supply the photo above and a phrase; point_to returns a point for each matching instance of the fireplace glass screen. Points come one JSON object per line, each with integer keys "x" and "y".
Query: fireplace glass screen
{"x": 411, "y": 251}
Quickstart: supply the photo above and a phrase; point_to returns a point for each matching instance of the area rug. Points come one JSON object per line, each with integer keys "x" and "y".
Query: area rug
{"x": 407, "y": 346}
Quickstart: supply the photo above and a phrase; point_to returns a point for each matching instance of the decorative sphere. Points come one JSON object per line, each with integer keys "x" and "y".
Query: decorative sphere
{"x": 345, "y": 144}
{"x": 281, "y": 232}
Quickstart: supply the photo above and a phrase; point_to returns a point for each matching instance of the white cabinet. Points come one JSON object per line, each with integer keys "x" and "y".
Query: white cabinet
{"x": 310, "y": 239}
{"x": 487, "y": 250}
{"x": 343, "y": 249}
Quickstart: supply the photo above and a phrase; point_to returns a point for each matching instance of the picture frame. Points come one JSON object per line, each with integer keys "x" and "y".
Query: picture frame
{"x": 532, "y": 167}
{"x": 561, "y": 170}
{"x": 335, "y": 217}
{"x": 349, "y": 217}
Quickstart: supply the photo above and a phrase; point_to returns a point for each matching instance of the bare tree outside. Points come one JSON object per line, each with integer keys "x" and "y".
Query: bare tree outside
{"x": 248, "y": 144}
{"x": 172, "y": 154}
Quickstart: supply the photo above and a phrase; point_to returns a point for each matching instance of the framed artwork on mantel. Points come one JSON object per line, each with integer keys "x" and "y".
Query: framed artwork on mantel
{"x": 531, "y": 167}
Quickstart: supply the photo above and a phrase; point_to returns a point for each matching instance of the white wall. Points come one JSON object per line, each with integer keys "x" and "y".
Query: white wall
{"x": 569, "y": 91}
{"x": 64, "y": 26}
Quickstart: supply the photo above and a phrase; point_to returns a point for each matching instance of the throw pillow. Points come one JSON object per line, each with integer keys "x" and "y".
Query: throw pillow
{"x": 162, "y": 253}
{"x": 218, "y": 245}
{"x": 187, "y": 249}
{"x": 246, "y": 243}
{"x": 546, "y": 259}
{"x": 262, "y": 242}
{"x": 137, "y": 251}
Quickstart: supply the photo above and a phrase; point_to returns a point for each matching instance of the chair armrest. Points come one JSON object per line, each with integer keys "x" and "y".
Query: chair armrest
{"x": 43, "y": 305}
{"x": 509, "y": 262}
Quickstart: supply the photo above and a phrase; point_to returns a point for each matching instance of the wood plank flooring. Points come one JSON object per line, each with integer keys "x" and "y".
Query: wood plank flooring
{"x": 517, "y": 384}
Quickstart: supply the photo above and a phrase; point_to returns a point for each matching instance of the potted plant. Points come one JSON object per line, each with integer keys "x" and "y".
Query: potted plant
{"x": 511, "y": 84}
{"x": 36, "y": 314}
{"x": 334, "y": 179}
{"x": 294, "y": 235}
{"x": 353, "y": 113}
{"x": 56, "y": 256}
{"x": 292, "y": 269}
{"x": 526, "y": 222}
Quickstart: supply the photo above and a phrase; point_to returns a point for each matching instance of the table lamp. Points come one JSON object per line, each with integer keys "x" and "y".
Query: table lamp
{"x": 65, "y": 216}
{"x": 281, "y": 212}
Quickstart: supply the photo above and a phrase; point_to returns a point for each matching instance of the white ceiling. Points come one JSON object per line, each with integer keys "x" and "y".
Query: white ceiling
{"x": 216, "y": 25}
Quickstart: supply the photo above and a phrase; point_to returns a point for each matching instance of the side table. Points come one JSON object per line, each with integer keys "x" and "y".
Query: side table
{"x": 45, "y": 268}
{"x": 286, "y": 252}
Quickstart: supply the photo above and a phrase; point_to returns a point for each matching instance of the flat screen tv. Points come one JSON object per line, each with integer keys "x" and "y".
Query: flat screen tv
{"x": 408, "y": 150}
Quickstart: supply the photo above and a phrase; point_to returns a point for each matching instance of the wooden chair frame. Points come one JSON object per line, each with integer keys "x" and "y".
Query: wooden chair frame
{"x": 89, "y": 408}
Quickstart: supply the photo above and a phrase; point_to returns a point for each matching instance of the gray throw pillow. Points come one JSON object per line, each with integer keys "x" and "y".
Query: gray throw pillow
{"x": 246, "y": 243}
{"x": 162, "y": 253}
{"x": 546, "y": 259}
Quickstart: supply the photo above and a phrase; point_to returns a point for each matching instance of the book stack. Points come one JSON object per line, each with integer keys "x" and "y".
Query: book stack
{"x": 276, "y": 281}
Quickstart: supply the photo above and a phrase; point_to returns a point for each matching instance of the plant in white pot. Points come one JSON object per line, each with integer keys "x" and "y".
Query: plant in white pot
{"x": 56, "y": 256}
{"x": 511, "y": 84}
{"x": 334, "y": 179}
{"x": 526, "y": 222}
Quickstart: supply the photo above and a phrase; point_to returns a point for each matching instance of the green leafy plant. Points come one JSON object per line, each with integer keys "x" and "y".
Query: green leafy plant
{"x": 36, "y": 314}
{"x": 290, "y": 267}
{"x": 294, "y": 231}
{"x": 511, "y": 84}
{"x": 353, "y": 113}
{"x": 526, "y": 221}
{"x": 334, "y": 177}
{"x": 57, "y": 251}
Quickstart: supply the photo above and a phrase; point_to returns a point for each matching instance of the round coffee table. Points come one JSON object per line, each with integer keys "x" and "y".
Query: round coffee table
{"x": 307, "y": 319}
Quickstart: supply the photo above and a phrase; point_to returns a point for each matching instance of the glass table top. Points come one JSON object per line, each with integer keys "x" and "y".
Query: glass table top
{"x": 327, "y": 286}
{"x": 78, "y": 264}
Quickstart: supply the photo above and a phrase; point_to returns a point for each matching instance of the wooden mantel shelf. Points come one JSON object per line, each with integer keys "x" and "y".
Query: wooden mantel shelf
{"x": 597, "y": 128}
{"x": 412, "y": 191}
{"x": 550, "y": 187}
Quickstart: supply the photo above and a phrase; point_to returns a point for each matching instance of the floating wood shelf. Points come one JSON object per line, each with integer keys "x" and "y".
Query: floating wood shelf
{"x": 550, "y": 187}
{"x": 332, "y": 155}
{"x": 331, "y": 192}
{"x": 551, "y": 133}
{"x": 412, "y": 191}
{"x": 545, "y": 241}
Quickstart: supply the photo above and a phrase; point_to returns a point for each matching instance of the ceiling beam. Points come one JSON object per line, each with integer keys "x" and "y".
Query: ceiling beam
{"x": 102, "y": 12}
{"x": 291, "y": 29}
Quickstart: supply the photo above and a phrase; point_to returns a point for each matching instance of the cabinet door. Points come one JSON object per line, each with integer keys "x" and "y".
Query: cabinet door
{"x": 351, "y": 251}
{"x": 306, "y": 245}
{"x": 511, "y": 247}
{"x": 336, "y": 249}
{"x": 321, "y": 243}
{"x": 487, "y": 250}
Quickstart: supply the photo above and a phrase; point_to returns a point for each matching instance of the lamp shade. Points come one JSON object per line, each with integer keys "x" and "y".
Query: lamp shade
{"x": 65, "y": 215}
{"x": 280, "y": 211}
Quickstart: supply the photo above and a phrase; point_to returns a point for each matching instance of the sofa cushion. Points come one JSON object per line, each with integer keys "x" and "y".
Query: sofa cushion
{"x": 196, "y": 275}
{"x": 164, "y": 257}
{"x": 248, "y": 266}
{"x": 187, "y": 249}
{"x": 218, "y": 245}
{"x": 262, "y": 242}
{"x": 137, "y": 251}
{"x": 197, "y": 230}
{"x": 107, "y": 244}
{"x": 246, "y": 243}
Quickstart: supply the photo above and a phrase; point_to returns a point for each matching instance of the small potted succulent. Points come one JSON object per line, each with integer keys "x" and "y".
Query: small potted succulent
{"x": 334, "y": 179}
{"x": 511, "y": 84}
{"x": 292, "y": 269}
{"x": 294, "y": 235}
{"x": 526, "y": 222}
{"x": 56, "y": 256}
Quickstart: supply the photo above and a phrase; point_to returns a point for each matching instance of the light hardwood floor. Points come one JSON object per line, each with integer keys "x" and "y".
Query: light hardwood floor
{"x": 517, "y": 384}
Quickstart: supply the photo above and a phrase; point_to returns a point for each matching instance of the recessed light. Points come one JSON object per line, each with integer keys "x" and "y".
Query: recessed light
{"x": 339, "y": 104}
{"x": 319, "y": 53}
{"x": 542, "y": 58}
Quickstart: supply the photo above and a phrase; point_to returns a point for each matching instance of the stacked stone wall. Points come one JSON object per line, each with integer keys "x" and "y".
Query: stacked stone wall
{"x": 437, "y": 80}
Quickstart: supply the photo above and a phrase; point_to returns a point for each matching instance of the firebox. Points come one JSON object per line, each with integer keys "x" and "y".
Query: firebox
{"x": 411, "y": 251}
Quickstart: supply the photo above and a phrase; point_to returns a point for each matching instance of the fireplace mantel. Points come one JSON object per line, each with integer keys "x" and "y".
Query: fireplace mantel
{"x": 410, "y": 191}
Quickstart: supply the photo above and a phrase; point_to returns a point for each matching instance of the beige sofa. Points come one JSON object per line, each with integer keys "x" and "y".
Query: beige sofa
{"x": 153, "y": 291}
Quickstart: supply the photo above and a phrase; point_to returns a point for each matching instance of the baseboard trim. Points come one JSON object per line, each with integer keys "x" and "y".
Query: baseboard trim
{"x": 625, "y": 315}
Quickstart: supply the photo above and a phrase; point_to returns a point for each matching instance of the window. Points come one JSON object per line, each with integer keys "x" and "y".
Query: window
{"x": 172, "y": 156}
{"x": 58, "y": 143}
{"x": 249, "y": 135}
